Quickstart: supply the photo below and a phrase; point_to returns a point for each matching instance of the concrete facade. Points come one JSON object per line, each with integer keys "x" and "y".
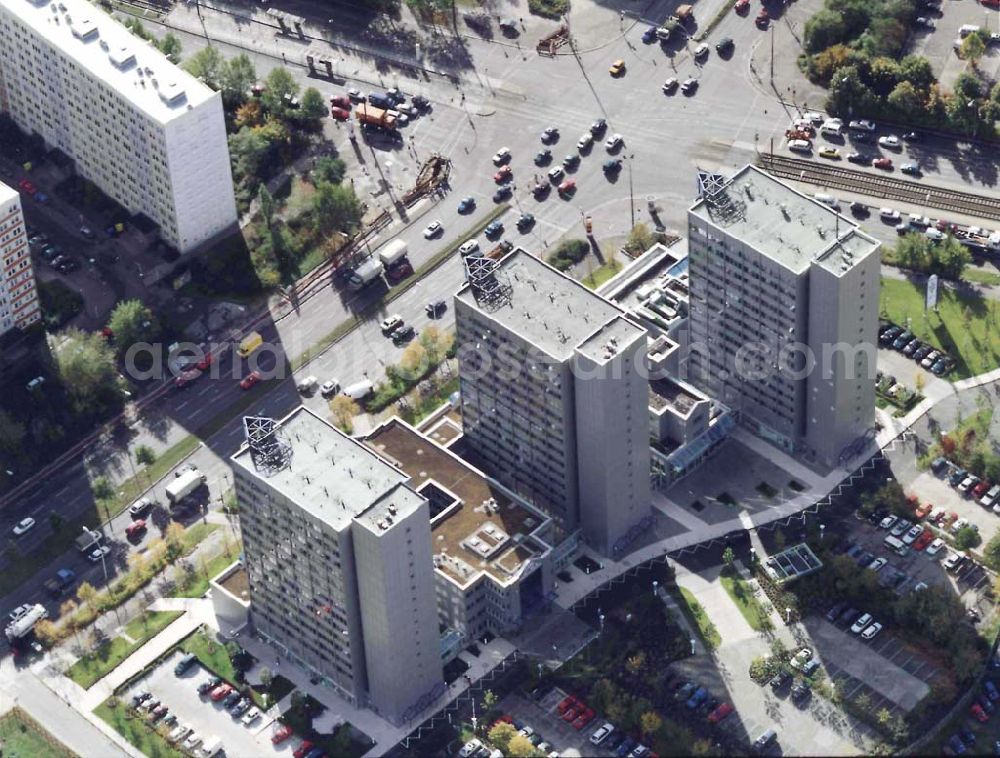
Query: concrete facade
{"x": 338, "y": 556}
{"x": 553, "y": 395}
{"x": 19, "y": 307}
{"x": 777, "y": 279}
{"x": 150, "y": 135}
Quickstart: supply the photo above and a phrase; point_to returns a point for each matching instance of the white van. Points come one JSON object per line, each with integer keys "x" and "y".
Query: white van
{"x": 896, "y": 545}
{"x": 800, "y": 145}
{"x": 359, "y": 390}
{"x": 211, "y": 748}
{"x": 966, "y": 29}
{"x": 827, "y": 200}
{"x": 832, "y": 126}
{"x": 308, "y": 385}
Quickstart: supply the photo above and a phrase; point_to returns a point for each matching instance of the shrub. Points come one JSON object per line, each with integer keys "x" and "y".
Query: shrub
{"x": 549, "y": 8}
{"x": 568, "y": 253}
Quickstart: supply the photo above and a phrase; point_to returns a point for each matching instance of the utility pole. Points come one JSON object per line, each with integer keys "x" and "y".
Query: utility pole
{"x": 772, "y": 54}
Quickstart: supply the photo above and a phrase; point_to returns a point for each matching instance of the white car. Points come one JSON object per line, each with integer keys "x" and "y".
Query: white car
{"x": 871, "y": 631}
{"x": 331, "y": 387}
{"x": 95, "y": 556}
{"x": 502, "y": 156}
{"x": 192, "y": 742}
{"x": 701, "y": 51}
{"x": 953, "y": 561}
{"x": 862, "y": 125}
{"x": 935, "y": 235}
{"x": 24, "y": 526}
{"x": 556, "y": 173}
{"x": 603, "y": 732}
{"x": 888, "y": 522}
{"x": 801, "y": 658}
{"x": 179, "y": 733}
{"x": 469, "y": 748}
{"x": 877, "y": 564}
{"x": 800, "y": 145}
{"x": 910, "y": 537}
{"x": 863, "y": 620}
{"x": 392, "y": 323}
{"x": 250, "y": 716}
{"x": 585, "y": 141}
{"x": 468, "y": 247}
{"x": 433, "y": 229}
{"x": 888, "y": 214}
{"x": 614, "y": 142}
{"x": 890, "y": 140}
{"x": 354, "y": 94}
{"x": 935, "y": 547}
{"x": 814, "y": 117}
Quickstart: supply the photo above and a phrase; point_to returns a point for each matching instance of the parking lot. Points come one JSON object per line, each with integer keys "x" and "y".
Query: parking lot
{"x": 936, "y": 44}
{"x": 208, "y": 719}
{"x": 544, "y": 718}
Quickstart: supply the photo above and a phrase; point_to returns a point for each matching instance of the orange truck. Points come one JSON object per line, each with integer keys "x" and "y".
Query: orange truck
{"x": 368, "y": 115}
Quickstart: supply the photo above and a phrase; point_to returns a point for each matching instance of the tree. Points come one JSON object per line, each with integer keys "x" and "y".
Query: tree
{"x": 329, "y": 169}
{"x": 238, "y": 77}
{"x": 157, "y": 551}
{"x": 312, "y": 107}
{"x": 266, "y": 677}
{"x": 414, "y": 363}
{"x": 636, "y": 663}
{"x": 520, "y": 747}
{"x": 267, "y": 210}
{"x": 86, "y": 367}
{"x": 171, "y": 47}
{"x": 250, "y": 151}
{"x": 102, "y": 489}
{"x": 966, "y": 538}
{"x": 86, "y": 594}
{"x": 279, "y": 88}
{"x": 825, "y": 28}
{"x": 640, "y": 239}
{"x": 650, "y": 723}
{"x": 905, "y": 98}
{"x": 501, "y": 734}
{"x": 132, "y": 321}
{"x": 335, "y": 208}
{"x": 918, "y": 71}
{"x": 144, "y": 455}
{"x": 863, "y": 701}
{"x": 728, "y": 558}
{"x": 138, "y": 563}
{"x": 208, "y": 65}
{"x": 344, "y": 409}
{"x": 46, "y": 633}
{"x": 12, "y": 433}
{"x": 848, "y": 93}
{"x": 66, "y": 610}
{"x": 174, "y": 539}
{"x": 489, "y": 700}
{"x": 972, "y": 49}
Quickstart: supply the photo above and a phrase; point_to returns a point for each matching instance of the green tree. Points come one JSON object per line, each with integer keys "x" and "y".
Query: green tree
{"x": 144, "y": 455}
{"x": 489, "y": 700}
{"x": 267, "y": 208}
{"x": 171, "y": 47}
{"x": 848, "y": 93}
{"x": 501, "y": 734}
{"x": 883, "y": 76}
{"x": 86, "y": 594}
{"x": 905, "y": 99}
{"x": 174, "y": 539}
{"x": 102, "y": 488}
{"x": 250, "y": 151}
{"x": 335, "y": 208}
{"x": 207, "y": 64}
{"x": 966, "y": 538}
{"x": 951, "y": 258}
{"x": 313, "y": 107}
{"x": 972, "y": 49}
{"x": 12, "y": 433}
{"x": 86, "y": 367}
{"x": 917, "y": 70}
{"x": 728, "y": 558}
{"x": 266, "y": 677}
{"x": 650, "y": 723}
{"x": 520, "y": 747}
{"x": 636, "y": 663}
{"x": 640, "y": 239}
{"x": 344, "y": 409}
{"x": 238, "y": 76}
{"x": 132, "y": 321}
{"x": 883, "y": 716}
{"x": 279, "y": 87}
{"x": 824, "y": 29}
{"x": 330, "y": 170}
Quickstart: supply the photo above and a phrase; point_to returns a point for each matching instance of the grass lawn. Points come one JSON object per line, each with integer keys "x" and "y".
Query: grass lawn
{"x": 964, "y": 325}
{"x": 214, "y": 656}
{"x": 135, "y": 730}
{"x": 749, "y": 606}
{"x": 980, "y": 276}
{"x": 198, "y": 585}
{"x": 95, "y": 666}
{"x": 129, "y": 490}
{"x": 600, "y": 275}
{"x": 697, "y": 616}
{"x": 21, "y": 735}
{"x": 428, "y": 404}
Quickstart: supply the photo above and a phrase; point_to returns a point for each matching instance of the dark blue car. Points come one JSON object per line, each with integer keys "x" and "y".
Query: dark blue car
{"x": 626, "y": 747}
{"x": 699, "y": 697}
{"x": 956, "y": 744}
{"x": 991, "y": 690}
{"x": 649, "y": 36}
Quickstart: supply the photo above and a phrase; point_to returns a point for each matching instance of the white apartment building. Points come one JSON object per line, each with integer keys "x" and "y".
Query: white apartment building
{"x": 18, "y": 295}
{"x": 783, "y": 313}
{"x": 554, "y": 396}
{"x": 337, "y": 548}
{"x": 147, "y": 133}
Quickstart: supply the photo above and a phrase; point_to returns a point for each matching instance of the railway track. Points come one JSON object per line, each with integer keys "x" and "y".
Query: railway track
{"x": 889, "y": 187}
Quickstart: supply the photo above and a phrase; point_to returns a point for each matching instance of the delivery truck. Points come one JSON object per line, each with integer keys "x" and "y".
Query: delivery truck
{"x": 369, "y": 115}
{"x": 184, "y": 485}
{"x": 89, "y": 540}
{"x": 24, "y": 624}
{"x": 393, "y": 253}
{"x": 369, "y": 270}
{"x": 58, "y": 584}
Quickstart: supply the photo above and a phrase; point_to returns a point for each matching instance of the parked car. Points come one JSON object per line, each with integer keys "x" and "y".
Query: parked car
{"x": 720, "y": 713}
{"x": 862, "y": 621}
{"x": 602, "y": 733}
{"x": 283, "y": 733}
{"x": 871, "y": 631}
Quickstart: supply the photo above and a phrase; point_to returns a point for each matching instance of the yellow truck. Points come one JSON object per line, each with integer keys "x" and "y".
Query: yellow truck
{"x": 249, "y": 343}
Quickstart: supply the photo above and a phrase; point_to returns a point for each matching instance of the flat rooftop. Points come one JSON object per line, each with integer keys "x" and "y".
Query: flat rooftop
{"x": 99, "y": 44}
{"x": 608, "y": 341}
{"x": 780, "y": 222}
{"x": 482, "y": 512}
{"x": 664, "y": 393}
{"x": 329, "y": 475}
{"x": 7, "y": 193}
{"x": 550, "y": 310}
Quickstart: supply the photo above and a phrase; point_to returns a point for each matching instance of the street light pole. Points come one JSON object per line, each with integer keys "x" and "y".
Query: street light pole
{"x": 107, "y": 582}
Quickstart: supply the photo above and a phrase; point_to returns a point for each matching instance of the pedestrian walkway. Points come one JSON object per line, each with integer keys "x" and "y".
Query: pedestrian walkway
{"x": 720, "y": 608}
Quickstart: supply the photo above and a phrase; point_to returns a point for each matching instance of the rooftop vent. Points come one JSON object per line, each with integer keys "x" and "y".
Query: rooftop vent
{"x": 172, "y": 93}
{"x": 122, "y": 57}
{"x": 83, "y": 28}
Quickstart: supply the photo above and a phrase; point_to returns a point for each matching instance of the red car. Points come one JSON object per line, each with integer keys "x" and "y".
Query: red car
{"x": 505, "y": 174}
{"x": 283, "y": 733}
{"x": 885, "y": 163}
{"x": 220, "y": 692}
{"x": 991, "y": 3}
{"x": 135, "y": 529}
{"x": 566, "y": 703}
{"x": 341, "y": 101}
{"x": 583, "y": 719}
{"x": 720, "y": 713}
{"x": 923, "y": 540}
{"x": 980, "y": 489}
{"x": 568, "y": 187}
{"x": 763, "y": 18}
{"x": 302, "y": 749}
{"x": 205, "y": 362}
{"x": 977, "y": 711}
{"x": 27, "y": 186}
{"x": 339, "y": 114}
{"x": 186, "y": 377}
{"x": 250, "y": 380}
{"x": 922, "y": 510}
{"x": 570, "y": 713}
{"x": 742, "y": 6}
